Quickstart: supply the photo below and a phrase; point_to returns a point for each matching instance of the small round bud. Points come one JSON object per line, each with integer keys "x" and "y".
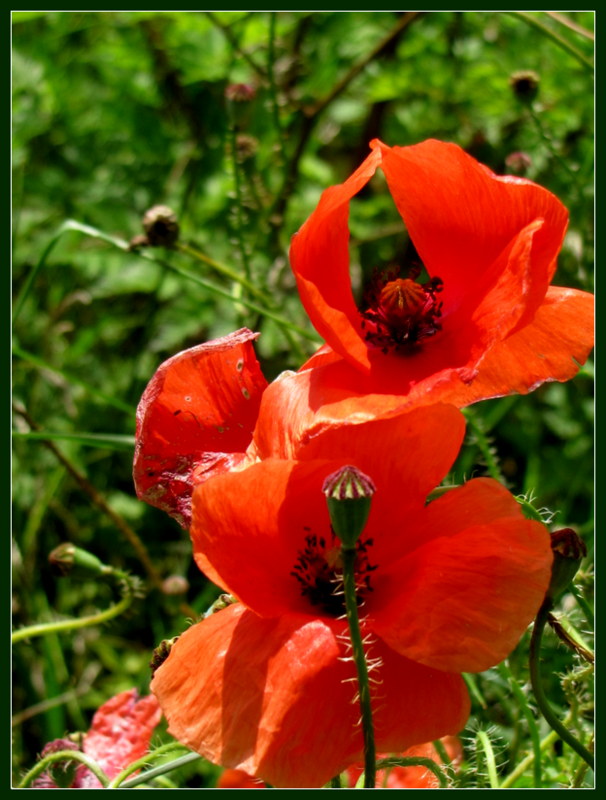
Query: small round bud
{"x": 525, "y": 85}
{"x": 348, "y": 496}
{"x": 240, "y": 92}
{"x": 519, "y": 163}
{"x": 175, "y": 584}
{"x": 161, "y": 226}
{"x": 568, "y": 552}
{"x": 67, "y": 559}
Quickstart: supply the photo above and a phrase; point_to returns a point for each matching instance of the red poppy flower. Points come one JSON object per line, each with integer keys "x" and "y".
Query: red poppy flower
{"x": 264, "y": 685}
{"x": 119, "y": 734}
{"x": 484, "y": 323}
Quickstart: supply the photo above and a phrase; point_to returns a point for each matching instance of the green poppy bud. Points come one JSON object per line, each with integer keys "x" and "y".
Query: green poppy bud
{"x": 67, "y": 559}
{"x": 348, "y": 495}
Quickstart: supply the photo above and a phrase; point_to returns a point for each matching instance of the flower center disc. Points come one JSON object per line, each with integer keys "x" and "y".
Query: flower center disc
{"x": 319, "y": 571}
{"x": 401, "y": 313}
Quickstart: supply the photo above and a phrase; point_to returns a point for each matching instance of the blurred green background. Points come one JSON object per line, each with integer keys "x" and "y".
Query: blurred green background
{"x": 114, "y": 112}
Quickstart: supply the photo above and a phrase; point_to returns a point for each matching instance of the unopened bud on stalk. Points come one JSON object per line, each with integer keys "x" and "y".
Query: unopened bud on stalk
{"x": 67, "y": 559}
{"x": 161, "y": 226}
{"x": 525, "y": 85}
{"x": 348, "y": 496}
{"x": 568, "y": 552}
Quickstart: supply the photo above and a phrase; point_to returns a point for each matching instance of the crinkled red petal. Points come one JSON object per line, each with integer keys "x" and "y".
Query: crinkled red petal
{"x": 195, "y": 420}
{"x": 273, "y": 697}
{"x": 120, "y": 734}
{"x": 462, "y": 599}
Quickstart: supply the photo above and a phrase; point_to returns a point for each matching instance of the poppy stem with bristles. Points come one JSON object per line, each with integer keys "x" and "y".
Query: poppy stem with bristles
{"x": 359, "y": 657}
{"x": 537, "y": 686}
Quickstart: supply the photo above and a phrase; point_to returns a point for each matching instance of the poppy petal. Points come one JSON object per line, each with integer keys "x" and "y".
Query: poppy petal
{"x": 120, "y": 734}
{"x": 461, "y": 217}
{"x": 195, "y": 419}
{"x": 274, "y": 698}
{"x": 463, "y": 598}
{"x": 319, "y": 256}
{"x": 299, "y": 419}
{"x": 250, "y": 526}
{"x": 550, "y": 348}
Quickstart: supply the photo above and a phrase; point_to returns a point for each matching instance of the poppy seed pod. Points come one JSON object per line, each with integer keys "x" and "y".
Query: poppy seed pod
{"x": 525, "y": 85}
{"x": 348, "y": 496}
{"x": 161, "y": 226}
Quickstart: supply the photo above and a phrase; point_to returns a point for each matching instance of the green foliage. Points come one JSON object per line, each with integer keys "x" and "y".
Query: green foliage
{"x": 114, "y": 112}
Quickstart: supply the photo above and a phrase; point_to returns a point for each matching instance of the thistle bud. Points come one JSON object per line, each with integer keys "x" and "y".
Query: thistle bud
{"x": 525, "y": 85}
{"x": 67, "y": 559}
{"x": 348, "y": 496}
{"x": 568, "y": 552}
{"x": 161, "y": 226}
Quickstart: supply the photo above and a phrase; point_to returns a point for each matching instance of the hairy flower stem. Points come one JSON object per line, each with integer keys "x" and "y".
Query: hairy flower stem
{"x": 351, "y": 606}
{"x": 68, "y": 625}
{"x": 64, "y": 755}
{"x": 537, "y": 686}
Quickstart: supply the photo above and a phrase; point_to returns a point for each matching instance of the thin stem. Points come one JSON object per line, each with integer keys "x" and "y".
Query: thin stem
{"x": 162, "y": 769}
{"x": 510, "y": 780}
{"x": 92, "y": 390}
{"x": 141, "y": 762}
{"x": 265, "y": 312}
{"x": 351, "y": 605}
{"x": 65, "y": 625}
{"x": 222, "y": 269}
{"x": 491, "y": 764}
{"x": 238, "y": 188}
{"x": 428, "y": 763}
{"x": 100, "y": 502}
{"x": 273, "y": 91}
{"x": 537, "y": 686}
{"x": 533, "y": 728}
{"x": 64, "y": 755}
{"x": 546, "y": 31}
{"x": 492, "y": 464}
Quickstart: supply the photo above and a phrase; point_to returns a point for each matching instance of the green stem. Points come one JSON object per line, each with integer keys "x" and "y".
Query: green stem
{"x": 510, "y": 780}
{"x": 62, "y": 626}
{"x": 141, "y": 762}
{"x": 222, "y": 269}
{"x": 565, "y": 45}
{"x": 428, "y": 763}
{"x": 533, "y": 728}
{"x": 273, "y": 91}
{"x": 537, "y": 686}
{"x": 491, "y": 764}
{"x": 92, "y": 390}
{"x": 351, "y": 606}
{"x": 146, "y": 776}
{"x": 335, "y": 783}
{"x": 484, "y": 446}
{"x": 64, "y": 755}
